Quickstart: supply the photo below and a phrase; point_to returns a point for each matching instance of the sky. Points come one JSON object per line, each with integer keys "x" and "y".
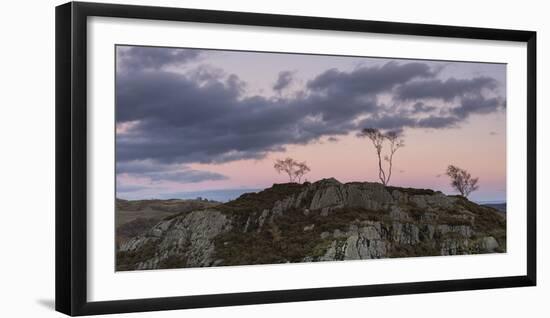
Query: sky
{"x": 211, "y": 123}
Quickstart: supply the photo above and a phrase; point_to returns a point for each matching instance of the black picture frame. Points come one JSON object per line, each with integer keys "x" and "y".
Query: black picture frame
{"x": 71, "y": 157}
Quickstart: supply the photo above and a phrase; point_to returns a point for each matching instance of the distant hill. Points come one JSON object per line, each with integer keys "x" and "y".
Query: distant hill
{"x": 219, "y": 195}
{"x": 499, "y": 206}
{"x": 322, "y": 221}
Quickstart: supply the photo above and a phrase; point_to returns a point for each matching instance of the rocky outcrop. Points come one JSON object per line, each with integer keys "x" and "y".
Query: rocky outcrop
{"x": 329, "y": 194}
{"x": 322, "y": 221}
{"x": 187, "y": 240}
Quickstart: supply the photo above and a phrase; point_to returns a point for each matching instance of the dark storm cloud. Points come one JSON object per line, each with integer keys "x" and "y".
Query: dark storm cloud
{"x": 437, "y": 122}
{"x": 478, "y": 105}
{"x": 468, "y": 95}
{"x": 283, "y": 81}
{"x": 138, "y": 58}
{"x": 446, "y": 90}
{"x": 393, "y": 122}
{"x": 369, "y": 79}
{"x": 187, "y": 118}
{"x": 420, "y": 107}
{"x": 180, "y": 120}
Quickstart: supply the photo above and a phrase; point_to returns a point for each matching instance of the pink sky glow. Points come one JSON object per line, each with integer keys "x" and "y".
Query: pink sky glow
{"x": 476, "y": 143}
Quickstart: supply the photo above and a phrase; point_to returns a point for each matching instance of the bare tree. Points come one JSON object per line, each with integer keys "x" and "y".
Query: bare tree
{"x": 395, "y": 144}
{"x": 301, "y": 170}
{"x": 294, "y": 169}
{"x": 378, "y": 139}
{"x": 462, "y": 180}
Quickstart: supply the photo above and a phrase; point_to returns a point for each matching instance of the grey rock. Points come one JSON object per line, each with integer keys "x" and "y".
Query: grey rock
{"x": 333, "y": 194}
{"x": 437, "y": 199}
{"x": 405, "y": 233}
{"x": 262, "y": 219}
{"x": 246, "y": 225}
{"x": 372, "y": 232}
{"x": 455, "y": 247}
{"x": 397, "y": 214}
{"x": 463, "y": 230}
{"x": 189, "y": 237}
{"x": 489, "y": 244}
{"x": 359, "y": 243}
{"x": 429, "y": 217}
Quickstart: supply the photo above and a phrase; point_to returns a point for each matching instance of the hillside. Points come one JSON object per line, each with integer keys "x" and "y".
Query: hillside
{"x": 321, "y": 221}
{"x": 138, "y": 216}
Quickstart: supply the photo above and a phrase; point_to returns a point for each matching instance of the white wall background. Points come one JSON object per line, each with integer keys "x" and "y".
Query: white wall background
{"x": 27, "y": 158}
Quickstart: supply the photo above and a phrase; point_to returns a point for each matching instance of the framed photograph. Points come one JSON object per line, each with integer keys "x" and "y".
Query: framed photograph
{"x": 209, "y": 158}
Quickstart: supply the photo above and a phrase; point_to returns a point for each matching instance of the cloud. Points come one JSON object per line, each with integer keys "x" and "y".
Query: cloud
{"x": 121, "y": 187}
{"x": 141, "y": 166}
{"x": 445, "y": 89}
{"x": 420, "y": 107}
{"x": 204, "y": 117}
{"x": 158, "y": 172}
{"x": 284, "y": 79}
{"x": 177, "y": 119}
{"x": 478, "y": 95}
{"x": 478, "y": 105}
{"x": 185, "y": 176}
{"x": 138, "y": 58}
{"x": 369, "y": 80}
{"x": 436, "y": 122}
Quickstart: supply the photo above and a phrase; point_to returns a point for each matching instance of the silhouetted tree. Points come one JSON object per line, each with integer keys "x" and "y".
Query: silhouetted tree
{"x": 462, "y": 180}
{"x": 294, "y": 169}
{"x": 301, "y": 170}
{"x": 378, "y": 138}
{"x": 395, "y": 144}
